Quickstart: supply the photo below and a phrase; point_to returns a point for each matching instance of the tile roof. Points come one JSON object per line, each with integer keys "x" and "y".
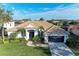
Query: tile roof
{"x": 48, "y": 27}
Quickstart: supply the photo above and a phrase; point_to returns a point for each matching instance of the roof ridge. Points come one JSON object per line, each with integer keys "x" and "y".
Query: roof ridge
{"x": 48, "y": 28}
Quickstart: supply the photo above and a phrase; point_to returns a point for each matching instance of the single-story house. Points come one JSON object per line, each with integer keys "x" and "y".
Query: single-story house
{"x": 51, "y": 32}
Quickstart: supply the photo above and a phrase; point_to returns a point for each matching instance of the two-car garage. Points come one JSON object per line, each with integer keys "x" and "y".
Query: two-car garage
{"x": 56, "y": 34}
{"x": 55, "y": 38}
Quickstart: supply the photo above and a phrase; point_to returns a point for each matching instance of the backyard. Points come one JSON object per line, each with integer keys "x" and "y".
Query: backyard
{"x": 17, "y": 49}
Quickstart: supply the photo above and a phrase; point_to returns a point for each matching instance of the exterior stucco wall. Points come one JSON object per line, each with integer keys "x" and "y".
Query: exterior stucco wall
{"x": 9, "y": 25}
{"x": 9, "y": 33}
{"x": 19, "y": 35}
{"x": 26, "y": 37}
{"x": 35, "y": 32}
{"x": 27, "y": 34}
{"x": 46, "y": 39}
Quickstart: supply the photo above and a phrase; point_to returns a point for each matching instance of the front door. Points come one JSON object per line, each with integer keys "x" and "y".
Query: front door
{"x": 31, "y": 34}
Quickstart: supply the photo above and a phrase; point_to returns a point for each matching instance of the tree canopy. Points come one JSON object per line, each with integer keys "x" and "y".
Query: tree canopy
{"x": 5, "y": 15}
{"x": 41, "y": 19}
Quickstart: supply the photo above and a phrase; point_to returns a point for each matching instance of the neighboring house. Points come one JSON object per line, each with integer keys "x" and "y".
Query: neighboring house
{"x": 51, "y": 32}
{"x": 74, "y": 29}
{"x": 6, "y": 25}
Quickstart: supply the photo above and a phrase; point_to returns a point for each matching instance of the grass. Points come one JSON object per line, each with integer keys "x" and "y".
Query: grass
{"x": 17, "y": 49}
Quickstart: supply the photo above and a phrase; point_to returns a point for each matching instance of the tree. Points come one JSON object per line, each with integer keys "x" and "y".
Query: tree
{"x": 12, "y": 36}
{"x": 5, "y": 15}
{"x": 36, "y": 38}
{"x": 41, "y": 29}
{"x": 73, "y": 41}
{"x": 73, "y": 23}
{"x": 26, "y": 19}
{"x": 41, "y": 19}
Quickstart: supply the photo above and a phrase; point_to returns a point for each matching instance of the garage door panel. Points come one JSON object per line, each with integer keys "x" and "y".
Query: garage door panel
{"x": 56, "y": 38}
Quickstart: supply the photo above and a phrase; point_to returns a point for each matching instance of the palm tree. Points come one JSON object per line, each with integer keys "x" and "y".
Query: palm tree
{"x": 5, "y": 16}
{"x": 41, "y": 29}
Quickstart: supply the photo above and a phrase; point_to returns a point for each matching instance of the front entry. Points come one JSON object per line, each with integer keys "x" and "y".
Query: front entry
{"x": 31, "y": 34}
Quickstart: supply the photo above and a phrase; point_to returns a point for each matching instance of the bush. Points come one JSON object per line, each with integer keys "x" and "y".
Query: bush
{"x": 13, "y": 36}
{"x": 5, "y": 41}
{"x": 23, "y": 40}
{"x": 1, "y": 42}
{"x": 36, "y": 38}
{"x": 73, "y": 41}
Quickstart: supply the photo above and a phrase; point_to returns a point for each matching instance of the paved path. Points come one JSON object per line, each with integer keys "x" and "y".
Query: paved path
{"x": 60, "y": 49}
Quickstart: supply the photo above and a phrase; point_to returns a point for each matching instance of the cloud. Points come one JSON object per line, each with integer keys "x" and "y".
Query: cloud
{"x": 60, "y": 12}
{"x": 19, "y": 14}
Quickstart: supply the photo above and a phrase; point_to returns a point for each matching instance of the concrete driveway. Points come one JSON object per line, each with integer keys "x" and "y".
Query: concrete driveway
{"x": 60, "y": 49}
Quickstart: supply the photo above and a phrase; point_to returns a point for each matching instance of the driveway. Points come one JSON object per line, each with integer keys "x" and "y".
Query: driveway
{"x": 60, "y": 49}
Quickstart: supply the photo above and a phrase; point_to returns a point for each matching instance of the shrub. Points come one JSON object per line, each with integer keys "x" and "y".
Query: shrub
{"x": 23, "y": 40}
{"x": 13, "y": 36}
{"x": 73, "y": 41}
{"x": 1, "y": 41}
{"x": 5, "y": 41}
{"x": 36, "y": 38}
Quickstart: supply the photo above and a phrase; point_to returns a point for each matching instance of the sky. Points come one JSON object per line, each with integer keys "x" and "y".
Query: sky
{"x": 48, "y": 11}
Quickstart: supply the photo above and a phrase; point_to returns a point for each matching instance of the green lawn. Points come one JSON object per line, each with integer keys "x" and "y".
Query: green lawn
{"x": 14, "y": 49}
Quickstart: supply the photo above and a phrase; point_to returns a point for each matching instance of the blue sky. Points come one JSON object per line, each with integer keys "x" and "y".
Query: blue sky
{"x": 46, "y": 10}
